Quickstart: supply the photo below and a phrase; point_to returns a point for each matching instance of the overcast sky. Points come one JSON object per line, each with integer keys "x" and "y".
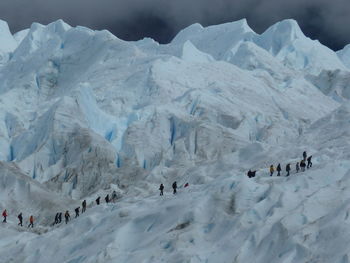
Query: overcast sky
{"x": 326, "y": 20}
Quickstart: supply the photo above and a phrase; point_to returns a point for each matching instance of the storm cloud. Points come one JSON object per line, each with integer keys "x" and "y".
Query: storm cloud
{"x": 161, "y": 19}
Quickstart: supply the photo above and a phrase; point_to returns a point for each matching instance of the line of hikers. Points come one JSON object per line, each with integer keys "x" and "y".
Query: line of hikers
{"x": 174, "y": 186}
{"x": 299, "y": 166}
{"x": 58, "y": 216}
{"x": 20, "y": 218}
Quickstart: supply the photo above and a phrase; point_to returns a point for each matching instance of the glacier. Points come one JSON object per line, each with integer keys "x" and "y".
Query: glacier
{"x": 83, "y": 113}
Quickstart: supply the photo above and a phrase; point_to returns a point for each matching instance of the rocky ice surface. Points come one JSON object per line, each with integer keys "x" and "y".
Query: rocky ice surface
{"x": 83, "y": 113}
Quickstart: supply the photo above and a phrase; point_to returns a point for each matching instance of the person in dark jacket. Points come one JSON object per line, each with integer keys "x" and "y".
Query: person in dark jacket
{"x": 114, "y": 196}
{"x": 288, "y": 169}
{"x": 161, "y": 188}
{"x": 278, "y": 170}
{"x": 297, "y": 167}
{"x": 309, "y": 163}
{"x": 83, "y": 204}
{"x": 59, "y": 217}
{"x": 67, "y": 216}
{"x": 304, "y": 156}
{"x": 251, "y": 173}
{"x": 107, "y": 198}
{"x": 98, "y": 200}
{"x": 77, "y": 211}
{"x": 174, "y": 187}
{"x": 20, "y": 218}
{"x": 302, "y": 165}
{"x": 56, "y": 219}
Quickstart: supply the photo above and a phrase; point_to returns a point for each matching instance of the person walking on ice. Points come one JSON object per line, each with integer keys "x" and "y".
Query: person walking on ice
{"x": 98, "y": 200}
{"x": 302, "y": 165}
{"x": 279, "y": 170}
{"x": 114, "y": 196}
{"x": 309, "y": 163}
{"x": 107, "y": 198}
{"x": 4, "y": 214}
{"x": 77, "y": 212}
{"x": 304, "y": 156}
{"x": 83, "y": 204}
{"x": 67, "y": 216}
{"x": 161, "y": 188}
{"x": 20, "y": 218}
{"x": 174, "y": 187}
{"x": 288, "y": 169}
{"x": 272, "y": 169}
{"x": 297, "y": 168}
{"x": 59, "y": 217}
{"x": 31, "y": 221}
{"x": 56, "y": 219}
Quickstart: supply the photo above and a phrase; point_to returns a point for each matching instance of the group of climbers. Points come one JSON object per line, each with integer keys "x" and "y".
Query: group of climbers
{"x": 279, "y": 169}
{"x": 108, "y": 199}
{"x": 58, "y": 216}
{"x": 299, "y": 166}
{"x": 303, "y": 164}
{"x": 174, "y": 186}
{"x": 20, "y": 218}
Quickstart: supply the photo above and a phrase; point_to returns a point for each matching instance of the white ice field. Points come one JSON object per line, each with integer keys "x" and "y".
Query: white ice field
{"x": 83, "y": 113}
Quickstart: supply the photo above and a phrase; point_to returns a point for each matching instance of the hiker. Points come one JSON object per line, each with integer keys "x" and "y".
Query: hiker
{"x": 272, "y": 169}
{"x": 309, "y": 163}
{"x": 279, "y": 170}
{"x": 77, "y": 211}
{"x": 83, "y": 204}
{"x": 161, "y": 188}
{"x": 114, "y": 196}
{"x": 98, "y": 200}
{"x": 288, "y": 169}
{"x": 297, "y": 167}
{"x": 31, "y": 221}
{"x": 107, "y": 198}
{"x": 20, "y": 218}
{"x": 4, "y": 214}
{"x": 251, "y": 173}
{"x": 302, "y": 165}
{"x": 304, "y": 156}
{"x": 56, "y": 219}
{"x": 174, "y": 187}
{"x": 59, "y": 217}
{"x": 67, "y": 216}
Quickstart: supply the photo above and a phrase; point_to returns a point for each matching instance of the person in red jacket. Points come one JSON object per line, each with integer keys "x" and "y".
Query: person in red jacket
{"x": 31, "y": 221}
{"x": 4, "y": 214}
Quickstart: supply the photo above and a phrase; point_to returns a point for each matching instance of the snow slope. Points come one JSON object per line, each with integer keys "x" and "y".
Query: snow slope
{"x": 230, "y": 220}
{"x": 83, "y": 113}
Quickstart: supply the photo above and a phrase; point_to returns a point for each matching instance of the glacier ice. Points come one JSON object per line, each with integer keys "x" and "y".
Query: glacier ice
{"x": 83, "y": 113}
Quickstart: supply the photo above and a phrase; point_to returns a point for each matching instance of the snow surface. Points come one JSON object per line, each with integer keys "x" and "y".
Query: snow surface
{"x": 344, "y": 55}
{"x": 83, "y": 113}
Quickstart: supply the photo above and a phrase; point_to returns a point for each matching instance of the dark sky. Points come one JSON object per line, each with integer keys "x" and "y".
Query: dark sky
{"x": 325, "y": 20}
